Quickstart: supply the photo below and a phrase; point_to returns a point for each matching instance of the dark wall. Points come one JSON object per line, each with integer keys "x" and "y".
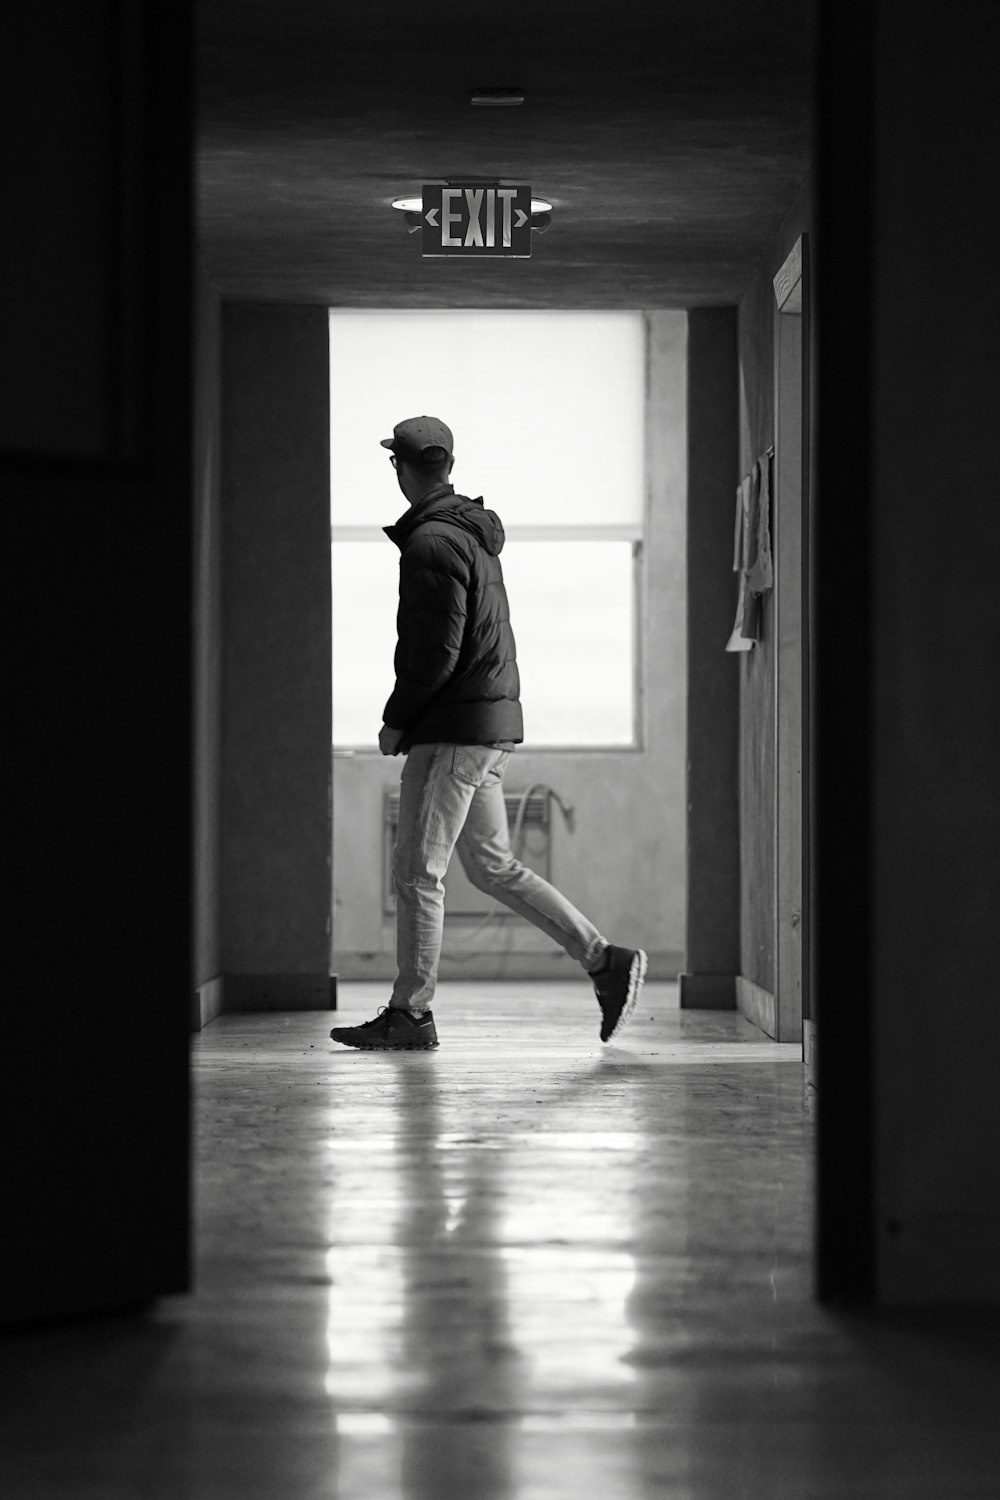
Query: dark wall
{"x": 713, "y": 873}
{"x": 908, "y": 812}
{"x": 935, "y": 769}
{"x": 757, "y": 667}
{"x": 63, "y": 315}
{"x": 277, "y": 659}
{"x": 95, "y": 470}
{"x": 208, "y": 639}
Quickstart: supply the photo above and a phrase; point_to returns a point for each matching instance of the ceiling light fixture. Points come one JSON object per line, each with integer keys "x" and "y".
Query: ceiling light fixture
{"x": 497, "y": 98}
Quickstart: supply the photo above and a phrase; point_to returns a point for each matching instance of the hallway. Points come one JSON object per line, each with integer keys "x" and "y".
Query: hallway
{"x": 522, "y": 1267}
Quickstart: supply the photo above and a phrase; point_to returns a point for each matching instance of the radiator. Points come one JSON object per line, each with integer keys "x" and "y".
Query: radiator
{"x": 461, "y": 898}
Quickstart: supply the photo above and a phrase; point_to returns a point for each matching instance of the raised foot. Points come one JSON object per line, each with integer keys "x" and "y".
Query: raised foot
{"x": 618, "y": 988}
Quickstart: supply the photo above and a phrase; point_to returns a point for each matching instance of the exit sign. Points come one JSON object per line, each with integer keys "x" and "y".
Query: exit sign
{"x": 476, "y": 219}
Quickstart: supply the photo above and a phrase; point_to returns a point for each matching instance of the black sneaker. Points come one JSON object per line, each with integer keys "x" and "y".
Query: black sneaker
{"x": 393, "y": 1030}
{"x": 618, "y": 987}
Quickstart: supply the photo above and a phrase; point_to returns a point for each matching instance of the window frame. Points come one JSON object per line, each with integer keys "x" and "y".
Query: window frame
{"x": 636, "y": 533}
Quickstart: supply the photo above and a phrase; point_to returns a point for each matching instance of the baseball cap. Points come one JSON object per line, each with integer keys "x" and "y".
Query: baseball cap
{"x": 411, "y": 439}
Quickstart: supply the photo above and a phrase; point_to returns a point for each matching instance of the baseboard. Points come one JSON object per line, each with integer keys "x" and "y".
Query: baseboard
{"x": 757, "y": 1005}
{"x": 707, "y": 991}
{"x": 207, "y": 1002}
{"x": 250, "y": 992}
{"x": 480, "y": 965}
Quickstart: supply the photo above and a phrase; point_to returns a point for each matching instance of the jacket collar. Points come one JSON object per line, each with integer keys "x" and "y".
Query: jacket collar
{"x": 417, "y": 513}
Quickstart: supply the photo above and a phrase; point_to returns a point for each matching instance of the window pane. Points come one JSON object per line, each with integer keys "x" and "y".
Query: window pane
{"x": 546, "y": 407}
{"x": 571, "y": 608}
{"x": 365, "y": 594}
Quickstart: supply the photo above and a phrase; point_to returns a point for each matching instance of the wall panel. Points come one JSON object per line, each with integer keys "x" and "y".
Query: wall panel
{"x": 276, "y": 711}
{"x": 757, "y": 667}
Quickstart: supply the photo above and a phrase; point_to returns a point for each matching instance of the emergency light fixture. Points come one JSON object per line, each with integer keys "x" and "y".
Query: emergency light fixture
{"x": 412, "y": 211}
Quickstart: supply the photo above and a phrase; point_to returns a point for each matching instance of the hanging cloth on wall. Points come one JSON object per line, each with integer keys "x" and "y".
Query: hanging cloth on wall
{"x": 744, "y": 631}
{"x": 760, "y": 571}
{"x": 752, "y": 552}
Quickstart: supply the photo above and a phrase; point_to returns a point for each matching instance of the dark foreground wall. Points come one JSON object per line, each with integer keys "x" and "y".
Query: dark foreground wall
{"x": 95, "y": 471}
{"x": 908, "y": 837}
{"x": 934, "y": 544}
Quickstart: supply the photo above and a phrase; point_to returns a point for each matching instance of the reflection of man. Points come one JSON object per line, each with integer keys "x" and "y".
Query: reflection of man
{"x": 456, "y": 714}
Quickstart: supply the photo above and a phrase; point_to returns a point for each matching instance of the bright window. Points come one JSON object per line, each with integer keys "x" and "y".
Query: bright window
{"x": 547, "y": 409}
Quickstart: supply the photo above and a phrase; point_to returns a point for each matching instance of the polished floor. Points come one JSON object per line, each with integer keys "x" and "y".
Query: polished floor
{"x": 523, "y": 1267}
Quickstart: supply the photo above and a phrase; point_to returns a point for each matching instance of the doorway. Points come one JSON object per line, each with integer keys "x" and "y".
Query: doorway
{"x": 573, "y": 426}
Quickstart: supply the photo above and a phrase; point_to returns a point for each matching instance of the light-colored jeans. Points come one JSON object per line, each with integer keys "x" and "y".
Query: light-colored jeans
{"x": 452, "y": 796}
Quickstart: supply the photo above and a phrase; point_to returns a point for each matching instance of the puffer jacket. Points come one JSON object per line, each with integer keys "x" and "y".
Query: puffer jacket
{"x": 456, "y": 669}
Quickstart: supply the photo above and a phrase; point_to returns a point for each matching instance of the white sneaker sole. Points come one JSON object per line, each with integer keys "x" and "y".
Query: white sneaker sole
{"x": 636, "y": 976}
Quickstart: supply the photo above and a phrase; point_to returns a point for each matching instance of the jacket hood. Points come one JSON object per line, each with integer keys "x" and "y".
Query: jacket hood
{"x": 458, "y": 510}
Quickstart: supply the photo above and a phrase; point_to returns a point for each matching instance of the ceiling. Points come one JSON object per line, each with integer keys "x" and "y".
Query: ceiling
{"x": 670, "y": 136}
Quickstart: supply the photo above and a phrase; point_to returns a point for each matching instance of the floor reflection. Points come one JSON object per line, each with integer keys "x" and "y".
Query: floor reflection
{"x": 525, "y": 1268}
{"x": 434, "y": 1298}
{"x": 536, "y": 1254}
{"x": 482, "y": 1264}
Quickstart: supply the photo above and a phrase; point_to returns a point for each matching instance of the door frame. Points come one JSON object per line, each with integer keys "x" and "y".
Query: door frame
{"x": 792, "y": 634}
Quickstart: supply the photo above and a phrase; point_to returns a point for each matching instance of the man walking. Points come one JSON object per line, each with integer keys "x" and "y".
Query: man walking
{"x": 456, "y": 715}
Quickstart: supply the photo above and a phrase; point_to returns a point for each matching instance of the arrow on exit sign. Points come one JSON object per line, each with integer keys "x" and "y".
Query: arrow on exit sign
{"x": 476, "y": 219}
